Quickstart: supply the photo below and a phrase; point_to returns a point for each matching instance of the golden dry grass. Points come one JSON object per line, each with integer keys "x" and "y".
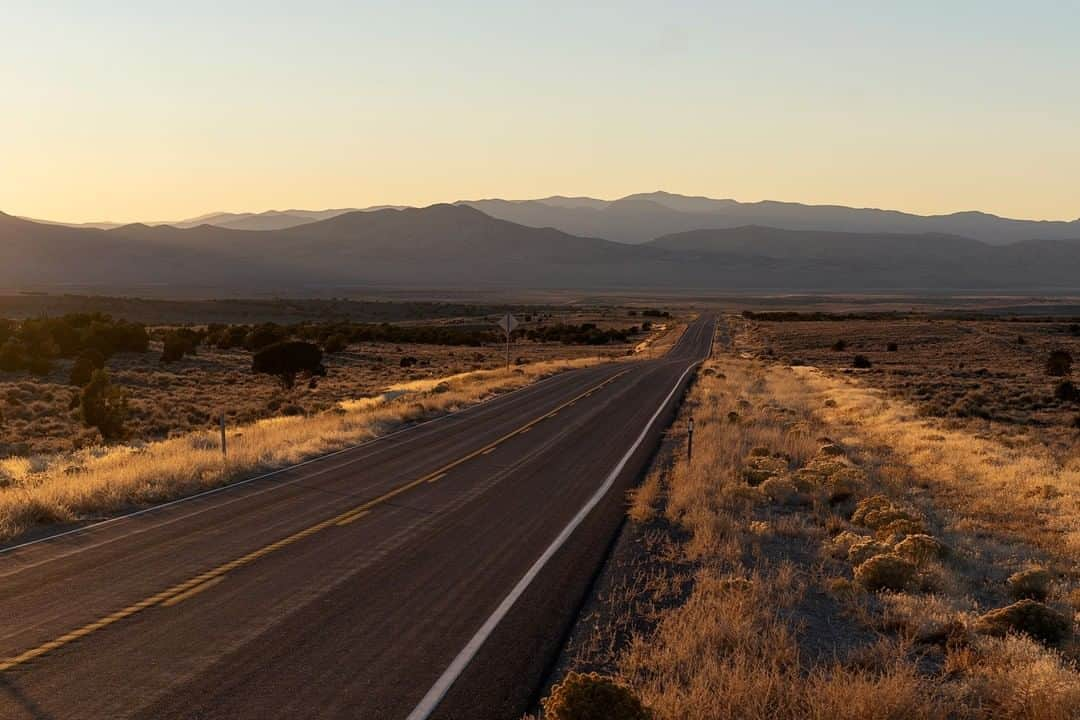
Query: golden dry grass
{"x": 774, "y": 623}
{"x": 96, "y": 481}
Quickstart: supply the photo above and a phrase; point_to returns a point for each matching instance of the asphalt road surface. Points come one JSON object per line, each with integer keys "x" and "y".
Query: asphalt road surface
{"x": 431, "y": 573}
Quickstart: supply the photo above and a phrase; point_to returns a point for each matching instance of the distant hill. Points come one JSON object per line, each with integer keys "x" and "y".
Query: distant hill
{"x": 640, "y": 218}
{"x": 461, "y": 247}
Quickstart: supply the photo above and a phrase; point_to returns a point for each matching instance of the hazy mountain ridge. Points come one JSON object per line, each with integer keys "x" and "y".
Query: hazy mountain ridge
{"x": 642, "y": 217}
{"x": 460, "y": 246}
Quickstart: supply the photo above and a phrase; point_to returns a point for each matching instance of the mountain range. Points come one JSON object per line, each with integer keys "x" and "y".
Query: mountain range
{"x": 643, "y": 217}
{"x": 460, "y": 246}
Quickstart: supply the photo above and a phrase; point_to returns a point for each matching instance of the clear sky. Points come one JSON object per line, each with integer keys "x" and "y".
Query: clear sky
{"x": 152, "y": 110}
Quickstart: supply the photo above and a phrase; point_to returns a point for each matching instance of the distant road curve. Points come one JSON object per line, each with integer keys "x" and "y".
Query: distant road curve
{"x": 429, "y": 574}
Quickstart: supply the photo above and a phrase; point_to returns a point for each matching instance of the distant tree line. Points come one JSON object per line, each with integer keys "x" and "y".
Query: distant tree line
{"x": 335, "y": 336}
{"x": 33, "y": 344}
{"x": 584, "y": 334}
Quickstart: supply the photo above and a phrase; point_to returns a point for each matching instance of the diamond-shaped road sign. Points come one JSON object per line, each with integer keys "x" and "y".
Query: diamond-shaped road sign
{"x": 507, "y": 322}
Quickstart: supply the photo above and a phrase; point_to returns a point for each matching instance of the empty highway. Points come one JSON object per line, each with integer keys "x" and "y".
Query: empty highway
{"x": 430, "y": 573}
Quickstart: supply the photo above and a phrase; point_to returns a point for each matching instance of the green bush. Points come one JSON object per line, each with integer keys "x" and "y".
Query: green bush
{"x": 861, "y": 361}
{"x": 104, "y": 406}
{"x": 86, "y": 363}
{"x": 593, "y": 697}
{"x": 286, "y": 360}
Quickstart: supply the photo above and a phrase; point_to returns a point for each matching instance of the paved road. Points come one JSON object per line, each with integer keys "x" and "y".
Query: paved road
{"x": 431, "y": 573}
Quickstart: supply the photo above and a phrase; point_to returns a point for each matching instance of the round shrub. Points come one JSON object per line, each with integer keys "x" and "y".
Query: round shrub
{"x": 892, "y": 347}
{"x": 1031, "y": 584}
{"x": 921, "y": 548}
{"x": 593, "y": 697}
{"x": 862, "y": 362}
{"x": 864, "y": 549}
{"x": 885, "y": 572}
{"x": 1059, "y": 363}
{"x": 1029, "y": 617}
{"x": 839, "y": 346}
{"x": 1066, "y": 391}
{"x": 780, "y": 490}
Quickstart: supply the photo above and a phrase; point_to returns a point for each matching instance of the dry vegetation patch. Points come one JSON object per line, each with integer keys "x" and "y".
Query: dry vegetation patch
{"x": 833, "y": 553}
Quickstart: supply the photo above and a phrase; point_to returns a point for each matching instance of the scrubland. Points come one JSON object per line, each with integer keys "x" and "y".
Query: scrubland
{"x": 351, "y": 406}
{"x": 831, "y": 551}
{"x": 66, "y": 487}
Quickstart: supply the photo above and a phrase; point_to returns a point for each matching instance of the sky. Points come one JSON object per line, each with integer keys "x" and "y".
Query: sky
{"x": 155, "y": 110}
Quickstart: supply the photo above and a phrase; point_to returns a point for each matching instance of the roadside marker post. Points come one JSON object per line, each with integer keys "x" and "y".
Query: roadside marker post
{"x": 224, "y": 447}
{"x": 690, "y": 440}
{"x": 507, "y": 322}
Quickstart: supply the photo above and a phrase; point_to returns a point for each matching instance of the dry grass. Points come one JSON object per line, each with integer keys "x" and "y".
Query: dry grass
{"x": 87, "y": 483}
{"x": 771, "y": 622}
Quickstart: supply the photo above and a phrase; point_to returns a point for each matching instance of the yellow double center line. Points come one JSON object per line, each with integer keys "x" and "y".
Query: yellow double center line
{"x": 178, "y": 593}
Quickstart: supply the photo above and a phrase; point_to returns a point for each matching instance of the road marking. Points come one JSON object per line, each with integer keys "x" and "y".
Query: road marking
{"x": 437, "y": 478}
{"x": 435, "y": 695}
{"x": 352, "y": 518}
{"x": 215, "y": 574}
{"x": 488, "y": 451}
{"x": 177, "y": 599}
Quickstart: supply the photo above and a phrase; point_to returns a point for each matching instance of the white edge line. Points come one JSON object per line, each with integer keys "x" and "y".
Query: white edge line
{"x": 438, "y": 691}
{"x": 309, "y": 461}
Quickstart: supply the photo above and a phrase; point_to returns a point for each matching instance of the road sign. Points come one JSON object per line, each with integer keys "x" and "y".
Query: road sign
{"x": 507, "y": 322}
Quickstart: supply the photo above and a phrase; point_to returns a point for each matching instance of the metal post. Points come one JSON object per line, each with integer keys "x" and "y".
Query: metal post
{"x": 224, "y": 447}
{"x": 507, "y": 349}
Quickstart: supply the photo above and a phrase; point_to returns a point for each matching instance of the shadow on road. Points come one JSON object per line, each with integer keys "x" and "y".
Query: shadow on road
{"x": 7, "y": 687}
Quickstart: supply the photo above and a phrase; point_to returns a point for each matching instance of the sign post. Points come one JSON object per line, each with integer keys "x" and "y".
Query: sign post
{"x": 507, "y": 322}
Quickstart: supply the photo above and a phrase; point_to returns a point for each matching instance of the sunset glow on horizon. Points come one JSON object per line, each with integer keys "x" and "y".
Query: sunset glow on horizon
{"x": 154, "y": 111}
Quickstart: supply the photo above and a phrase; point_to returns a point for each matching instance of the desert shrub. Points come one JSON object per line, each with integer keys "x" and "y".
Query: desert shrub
{"x": 584, "y": 334}
{"x": 780, "y": 490}
{"x": 335, "y": 344}
{"x": 861, "y": 361}
{"x": 288, "y": 359}
{"x": 407, "y": 361}
{"x": 839, "y": 346}
{"x": 892, "y": 347}
{"x": 265, "y": 335}
{"x": 85, "y": 364}
{"x": 1066, "y": 391}
{"x": 920, "y": 548}
{"x": 758, "y": 469}
{"x": 178, "y": 343}
{"x": 1021, "y": 340}
{"x": 885, "y": 572}
{"x": 1059, "y": 363}
{"x": 1029, "y": 617}
{"x": 865, "y": 548}
{"x": 104, "y": 406}
{"x": 1031, "y": 584}
{"x": 593, "y": 697}
{"x": 11, "y": 355}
